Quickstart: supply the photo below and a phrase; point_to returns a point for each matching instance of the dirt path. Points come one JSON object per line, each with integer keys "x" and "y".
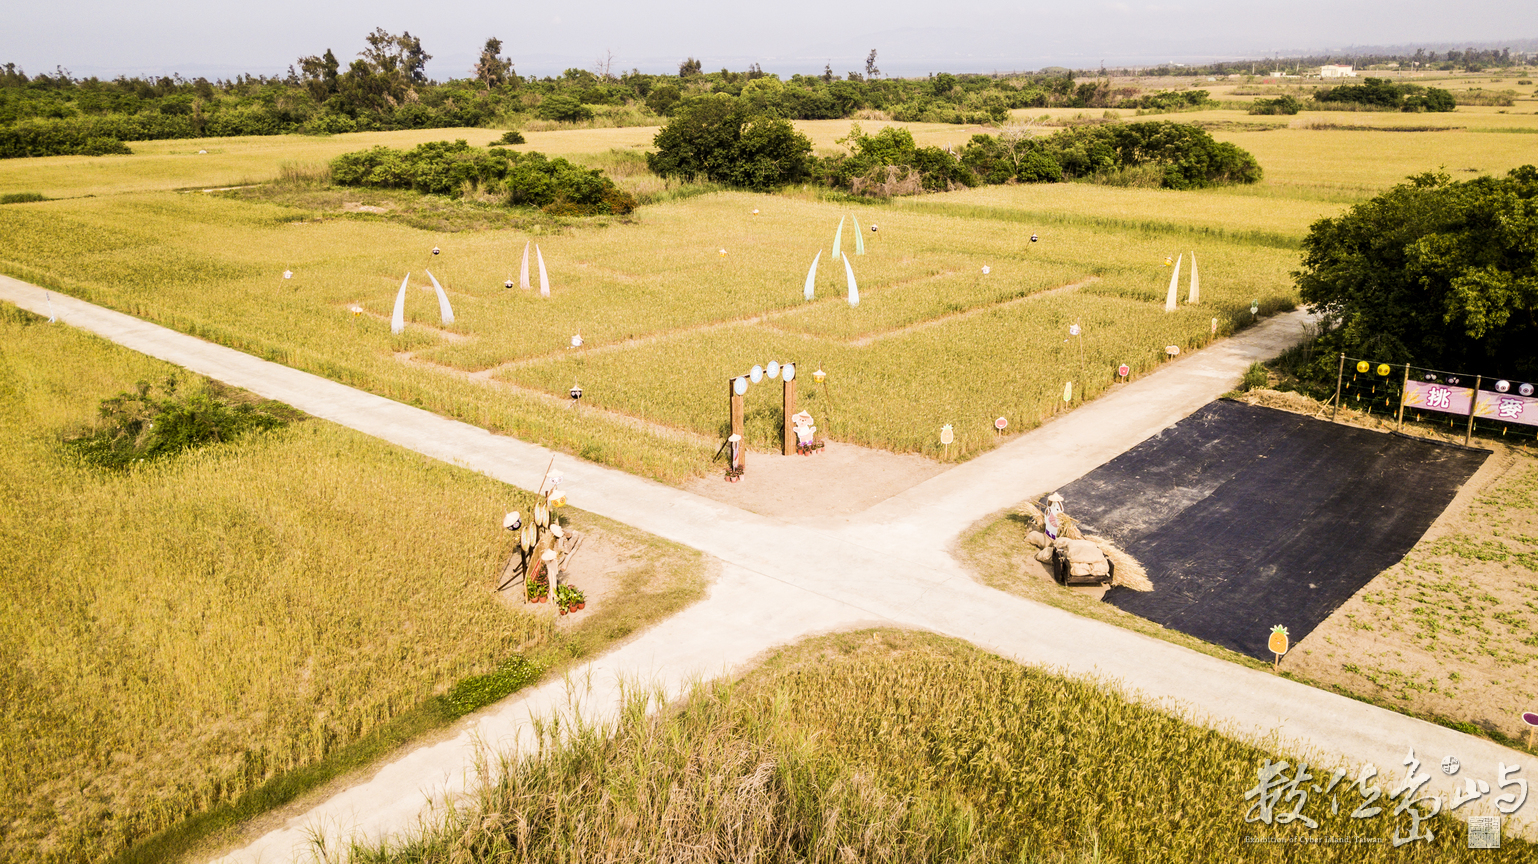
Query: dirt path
{"x": 887, "y": 564}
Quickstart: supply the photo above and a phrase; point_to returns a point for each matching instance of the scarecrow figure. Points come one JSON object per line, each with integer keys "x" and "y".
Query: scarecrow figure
{"x": 806, "y": 442}
{"x": 733, "y": 458}
{"x": 1054, "y": 518}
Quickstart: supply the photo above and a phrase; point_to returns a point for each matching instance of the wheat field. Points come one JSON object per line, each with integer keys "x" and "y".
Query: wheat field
{"x": 176, "y": 636}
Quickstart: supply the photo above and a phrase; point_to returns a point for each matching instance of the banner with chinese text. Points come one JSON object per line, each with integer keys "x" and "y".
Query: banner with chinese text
{"x": 1499, "y": 407}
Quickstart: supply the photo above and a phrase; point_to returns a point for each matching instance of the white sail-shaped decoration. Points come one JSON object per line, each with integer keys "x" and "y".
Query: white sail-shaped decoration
{"x": 1196, "y": 286}
{"x": 854, "y": 290}
{"x": 445, "y": 311}
{"x": 1169, "y": 301}
{"x": 838, "y": 237}
{"x": 523, "y": 274}
{"x": 398, "y": 319}
{"x": 54, "y": 319}
{"x": 811, "y": 277}
{"x": 859, "y": 238}
{"x": 544, "y": 278}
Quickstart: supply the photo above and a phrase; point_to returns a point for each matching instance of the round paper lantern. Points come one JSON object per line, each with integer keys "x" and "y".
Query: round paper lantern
{"x": 1503, "y": 386}
{"x": 1383, "y": 369}
{"x": 1525, "y": 389}
{"x": 1362, "y": 366}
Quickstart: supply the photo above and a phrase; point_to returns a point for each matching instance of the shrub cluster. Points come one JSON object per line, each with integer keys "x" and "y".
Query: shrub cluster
{"x": 1279, "y": 105}
{"x": 1383, "y": 93}
{"x": 1186, "y": 157}
{"x": 455, "y": 168}
{"x": 142, "y": 426}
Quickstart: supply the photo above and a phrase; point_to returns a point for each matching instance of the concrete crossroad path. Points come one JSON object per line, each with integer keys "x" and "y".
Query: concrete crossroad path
{"x": 780, "y": 581}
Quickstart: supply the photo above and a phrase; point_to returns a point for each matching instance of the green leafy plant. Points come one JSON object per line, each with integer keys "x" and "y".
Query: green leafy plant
{"x": 568, "y": 597}
{"x": 141, "y": 426}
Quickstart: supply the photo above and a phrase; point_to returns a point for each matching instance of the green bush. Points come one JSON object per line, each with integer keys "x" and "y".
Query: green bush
{"x": 716, "y": 137}
{"x": 564, "y": 109}
{"x": 1383, "y": 93}
{"x": 512, "y": 136}
{"x": 562, "y": 189}
{"x": 21, "y": 197}
{"x": 1189, "y": 157}
{"x": 1255, "y": 377}
{"x": 452, "y": 168}
{"x": 1279, "y": 105}
{"x": 143, "y": 427}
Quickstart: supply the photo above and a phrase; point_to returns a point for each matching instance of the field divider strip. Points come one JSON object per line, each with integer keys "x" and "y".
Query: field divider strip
{"x": 863, "y": 341}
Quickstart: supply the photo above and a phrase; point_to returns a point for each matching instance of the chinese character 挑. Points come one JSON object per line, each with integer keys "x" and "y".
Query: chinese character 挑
{"x": 1438, "y": 397}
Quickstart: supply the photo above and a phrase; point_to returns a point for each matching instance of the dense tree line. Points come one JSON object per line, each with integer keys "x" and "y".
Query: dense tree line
{"x": 1435, "y": 272}
{"x": 735, "y": 142}
{"x": 386, "y": 87}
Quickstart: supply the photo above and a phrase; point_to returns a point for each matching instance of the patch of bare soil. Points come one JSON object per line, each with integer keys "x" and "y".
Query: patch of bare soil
{"x": 838, "y": 480}
{"x": 597, "y": 569}
{"x": 1452, "y": 630}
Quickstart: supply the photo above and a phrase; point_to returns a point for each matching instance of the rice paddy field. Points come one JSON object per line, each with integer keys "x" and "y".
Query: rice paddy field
{"x": 177, "y": 639}
{"x": 698, "y": 287}
{"x": 898, "y": 746}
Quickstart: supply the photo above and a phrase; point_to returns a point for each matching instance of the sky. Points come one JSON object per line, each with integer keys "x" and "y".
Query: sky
{"x": 912, "y": 37}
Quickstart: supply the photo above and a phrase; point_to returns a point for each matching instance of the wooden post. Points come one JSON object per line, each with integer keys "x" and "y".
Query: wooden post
{"x": 1404, "y": 391}
{"x": 790, "y": 408}
{"x": 1340, "y": 376}
{"x": 1468, "y": 436}
{"x": 741, "y": 449}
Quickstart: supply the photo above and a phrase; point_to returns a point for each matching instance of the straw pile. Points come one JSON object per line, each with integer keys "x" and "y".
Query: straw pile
{"x": 1128, "y": 574}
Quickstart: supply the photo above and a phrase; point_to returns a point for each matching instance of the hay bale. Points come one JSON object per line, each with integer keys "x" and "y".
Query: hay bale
{"x": 1129, "y": 573}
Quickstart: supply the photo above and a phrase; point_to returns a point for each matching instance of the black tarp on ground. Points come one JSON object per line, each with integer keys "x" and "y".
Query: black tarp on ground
{"x": 1248, "y": 517}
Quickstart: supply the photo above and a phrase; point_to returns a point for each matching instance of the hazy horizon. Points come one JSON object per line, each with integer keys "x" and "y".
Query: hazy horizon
{"x": 178, "y": 36}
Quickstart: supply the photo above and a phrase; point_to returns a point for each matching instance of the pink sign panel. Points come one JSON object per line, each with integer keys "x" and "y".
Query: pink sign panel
{"x": 1499, "y": 407}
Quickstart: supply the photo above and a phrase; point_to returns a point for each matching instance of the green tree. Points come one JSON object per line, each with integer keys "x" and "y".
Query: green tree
{"x": 320, "y": 75}
{"x": 492, "y": 69}
{"x": 716, "y": 137}
{"x": 1434, "y": 272}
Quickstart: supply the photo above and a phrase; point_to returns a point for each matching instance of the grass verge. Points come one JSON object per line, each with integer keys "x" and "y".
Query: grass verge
{"x": 898, "y": 746}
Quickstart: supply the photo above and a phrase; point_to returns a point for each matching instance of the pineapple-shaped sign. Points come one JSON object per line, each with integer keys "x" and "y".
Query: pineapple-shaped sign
{"x": 1278, "y": 642}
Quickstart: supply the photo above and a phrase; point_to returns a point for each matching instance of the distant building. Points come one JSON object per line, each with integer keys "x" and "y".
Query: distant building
{"x": 1333, "y": 71}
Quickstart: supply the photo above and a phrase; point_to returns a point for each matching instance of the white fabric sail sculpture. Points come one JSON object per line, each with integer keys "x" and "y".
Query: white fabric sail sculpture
{"x": 1169, "y": 301}
{"x": 854, "y": 290}
{"x": 1196, "y": 286}
{"x": 859, "y": 238}
{"x": 523, "y": 274}
{"x": 544, "y": 278}
{"x": 398, "y": 319}
{"x": 838, "y": 237}
{"x": 811, "y": 277}
{"x": 445, "y": 312}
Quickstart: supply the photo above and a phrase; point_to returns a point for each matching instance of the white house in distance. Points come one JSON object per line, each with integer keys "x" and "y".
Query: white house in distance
{"x": 1334, "y": 71}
